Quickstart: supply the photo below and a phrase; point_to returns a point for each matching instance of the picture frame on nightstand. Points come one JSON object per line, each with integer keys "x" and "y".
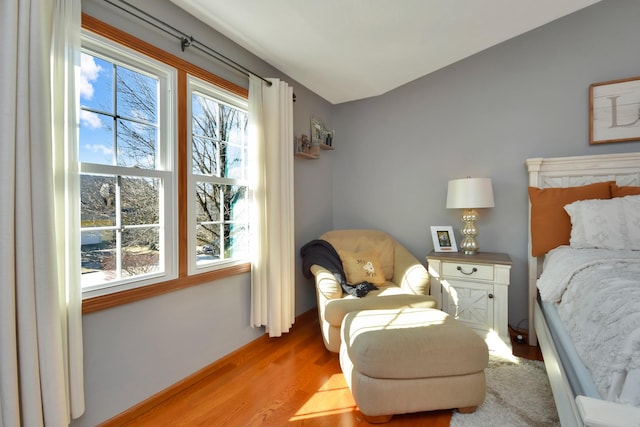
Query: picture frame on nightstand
{"x": 443, "y": 238}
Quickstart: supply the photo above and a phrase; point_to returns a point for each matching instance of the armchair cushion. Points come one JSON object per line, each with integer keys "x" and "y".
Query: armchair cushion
{"x": 385, "y": 297}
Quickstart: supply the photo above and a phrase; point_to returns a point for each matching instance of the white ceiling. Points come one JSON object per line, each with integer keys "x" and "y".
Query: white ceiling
{"x": 346, "y": 50}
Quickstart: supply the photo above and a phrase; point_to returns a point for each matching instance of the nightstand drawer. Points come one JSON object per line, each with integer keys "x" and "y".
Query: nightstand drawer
{"x": 463, "y": 270}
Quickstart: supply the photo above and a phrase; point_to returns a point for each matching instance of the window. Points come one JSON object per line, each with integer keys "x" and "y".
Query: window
{"x": 127, "y": 172}
{"x": 218, "y": 179}
{"x": 163, "y": 171}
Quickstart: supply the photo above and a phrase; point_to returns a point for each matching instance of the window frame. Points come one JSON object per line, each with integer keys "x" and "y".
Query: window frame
{"x": 199, "y": 86}
{"x": 166, "y": 166}
{"x": 183, "y": 280}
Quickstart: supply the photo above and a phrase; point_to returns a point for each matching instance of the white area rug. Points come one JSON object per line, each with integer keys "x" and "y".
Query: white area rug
{"x": 518, "y": 394}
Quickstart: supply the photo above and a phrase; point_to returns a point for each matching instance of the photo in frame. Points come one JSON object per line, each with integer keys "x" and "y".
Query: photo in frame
{"x": 320, "y": 135}
{"x": 614, "y": 111}
{"x": 443, "y": 238}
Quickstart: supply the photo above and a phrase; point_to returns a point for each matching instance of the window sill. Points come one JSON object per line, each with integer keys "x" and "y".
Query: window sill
{"x": 102, "y": 302}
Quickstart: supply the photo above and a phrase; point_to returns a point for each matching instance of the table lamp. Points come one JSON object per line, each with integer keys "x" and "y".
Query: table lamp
{"x": 470, "y": 194}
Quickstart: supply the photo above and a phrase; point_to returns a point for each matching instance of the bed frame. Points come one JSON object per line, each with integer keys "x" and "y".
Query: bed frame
{"x": 569, "y": 172}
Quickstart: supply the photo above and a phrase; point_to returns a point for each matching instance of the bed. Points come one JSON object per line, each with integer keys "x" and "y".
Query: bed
{"x": 599, "y": 385}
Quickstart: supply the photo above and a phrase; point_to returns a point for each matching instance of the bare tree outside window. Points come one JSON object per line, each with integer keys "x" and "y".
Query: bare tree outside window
{"x": 219, "y": 163}
{"x": 120, "y": 213}
{"x": 124, "y": 174}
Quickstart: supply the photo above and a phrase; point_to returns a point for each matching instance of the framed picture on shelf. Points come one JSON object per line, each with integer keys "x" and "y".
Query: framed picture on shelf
{"x": 305, "y": 144}
{"x": 443, "y": 238}
{"x": 614, "y": 111}
{"x": 320, "y": 135}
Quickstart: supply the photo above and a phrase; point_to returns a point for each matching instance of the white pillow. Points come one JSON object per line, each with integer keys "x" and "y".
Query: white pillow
{"x": 605, "y": 224}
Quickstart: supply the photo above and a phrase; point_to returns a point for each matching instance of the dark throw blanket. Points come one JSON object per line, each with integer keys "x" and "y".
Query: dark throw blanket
{"x": 324, "y": 254}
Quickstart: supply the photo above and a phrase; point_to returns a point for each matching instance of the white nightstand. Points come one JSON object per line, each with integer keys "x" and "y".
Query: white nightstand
{"x": 474, "y": 289}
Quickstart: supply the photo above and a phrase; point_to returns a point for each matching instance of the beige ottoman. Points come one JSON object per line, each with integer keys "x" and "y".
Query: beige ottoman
{"x": 407, "y": 360}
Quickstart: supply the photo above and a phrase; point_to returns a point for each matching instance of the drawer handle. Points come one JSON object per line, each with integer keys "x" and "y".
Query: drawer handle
{"x": 490, "y": 296}
{"x": 473, "y": 270}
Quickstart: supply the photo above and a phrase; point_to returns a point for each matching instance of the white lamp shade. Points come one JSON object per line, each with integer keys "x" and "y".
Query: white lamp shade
{"x": 468, "y": 193}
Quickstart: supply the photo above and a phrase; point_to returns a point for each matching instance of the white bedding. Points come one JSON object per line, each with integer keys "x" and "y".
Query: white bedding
{"x": 598, "y": 297}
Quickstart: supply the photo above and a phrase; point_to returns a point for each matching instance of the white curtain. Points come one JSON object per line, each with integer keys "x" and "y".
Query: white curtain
{"x": 65, "y": 71}
{"x": 40, "y": 308}
{"x": 273, "y": 263}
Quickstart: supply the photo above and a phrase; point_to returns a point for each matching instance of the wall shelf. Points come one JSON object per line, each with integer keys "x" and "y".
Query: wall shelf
{"x": 307, "y": 156}
{"x": 321, "y": 139}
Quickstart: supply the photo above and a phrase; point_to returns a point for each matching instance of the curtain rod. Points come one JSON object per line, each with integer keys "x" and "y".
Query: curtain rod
{"x": 185, "y": 39}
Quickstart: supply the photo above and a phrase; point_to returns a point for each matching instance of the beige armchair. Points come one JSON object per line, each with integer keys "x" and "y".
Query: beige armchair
{"x": 406, "y": 281}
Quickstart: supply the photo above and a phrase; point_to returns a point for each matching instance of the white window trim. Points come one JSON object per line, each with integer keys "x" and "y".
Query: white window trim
{"x": 167, "y": 168}
{"x": 197, "y": 85}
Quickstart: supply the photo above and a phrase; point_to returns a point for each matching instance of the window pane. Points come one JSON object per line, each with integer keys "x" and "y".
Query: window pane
{"x": 97, "y": 254}
{"x": 207, "y": 243}
{"x": 233, "y": 158}
{"x": 237, "y": 241}
{"x": 234, "y": 132}
{"x": 207, "y": 202}
{"x": 204, "y": 156}
{"x": 137, "y": 95}
{"x": 96, "y": 138}
{"x": 234, "y": 125}
{"x": 219, "y": 150}
{"x": 97, "y": 201}
{"x": 140, "y": 201}
{"x": 204, "y": 116}
{"x": 140, "y": 251}
{"x": 137, "y": 144}
{"x": 236, "y": 206}
{"x": 96, "y": 83}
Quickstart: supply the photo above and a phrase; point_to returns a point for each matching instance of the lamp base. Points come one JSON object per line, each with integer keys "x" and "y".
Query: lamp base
{"x": 469, "y": 244}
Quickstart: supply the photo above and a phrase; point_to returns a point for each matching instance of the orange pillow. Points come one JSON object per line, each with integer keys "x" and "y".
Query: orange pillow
{"x": 627, "y": 190}
{"x": 550, "y": 223}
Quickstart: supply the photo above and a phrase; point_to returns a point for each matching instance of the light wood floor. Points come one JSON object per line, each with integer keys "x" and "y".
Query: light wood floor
{"x": 287, "y": 381}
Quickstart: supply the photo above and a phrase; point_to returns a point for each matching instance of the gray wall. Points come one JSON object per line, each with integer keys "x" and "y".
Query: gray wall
{"x": 138, "y": 349}
{"x": 481, "y": 117}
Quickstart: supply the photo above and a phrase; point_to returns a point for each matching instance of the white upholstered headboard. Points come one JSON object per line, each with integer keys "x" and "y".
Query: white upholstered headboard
{"x": 571, "y": 172}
